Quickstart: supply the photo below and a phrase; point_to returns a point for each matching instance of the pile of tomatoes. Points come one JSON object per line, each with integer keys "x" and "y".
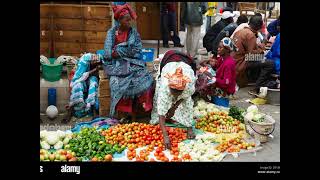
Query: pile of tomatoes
{"x": 218, "y": 123}
{"x": 234, "y": 145}
{"x": 160, "y": 155}
{"x": 140, "y": 135}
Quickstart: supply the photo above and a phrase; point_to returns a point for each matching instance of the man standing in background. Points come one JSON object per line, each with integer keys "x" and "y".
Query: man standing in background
{"x": 212, "y": 6}
{"x": 192, "y": 13}
{"x": 168, "y": 24}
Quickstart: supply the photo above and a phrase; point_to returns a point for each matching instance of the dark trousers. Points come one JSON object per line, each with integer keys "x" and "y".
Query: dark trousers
{"x": 168, "y": 24}
{"x": 261, "y": 71}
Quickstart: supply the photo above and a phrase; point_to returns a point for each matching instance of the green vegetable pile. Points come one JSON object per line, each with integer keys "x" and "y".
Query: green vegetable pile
{"x": 89, "y": 143}
{"x": 236, "y": 113}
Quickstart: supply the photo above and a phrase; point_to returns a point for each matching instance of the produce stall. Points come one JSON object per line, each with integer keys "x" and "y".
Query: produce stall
{"x": 219, "y": 132}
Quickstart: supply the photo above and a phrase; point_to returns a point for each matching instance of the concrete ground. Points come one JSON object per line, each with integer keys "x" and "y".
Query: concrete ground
{"x": 270, "y": 151}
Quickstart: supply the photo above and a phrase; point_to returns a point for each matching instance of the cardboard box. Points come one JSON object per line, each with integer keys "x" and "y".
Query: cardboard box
{"x": 102, "y": 75}
{"x": 104, "y": 112}
{"x": 104, "y": 92}
{"x": 104, "y": 88}
{"x": 104, "y": 84}
{"x": 104, "y": 103}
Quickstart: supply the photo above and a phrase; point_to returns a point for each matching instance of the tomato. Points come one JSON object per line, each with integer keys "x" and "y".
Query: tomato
{"x": 144, "y": 137}
{"x": 94, "y": 159}
{"x": 161, "y": 154}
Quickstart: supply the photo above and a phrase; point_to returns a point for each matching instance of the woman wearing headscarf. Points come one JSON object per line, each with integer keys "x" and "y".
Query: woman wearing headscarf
{"x": 130, "y": 81}
{"x": 175, "y": 85}
{"x": 84, "y": 81}
{"x": 224, "y": 82}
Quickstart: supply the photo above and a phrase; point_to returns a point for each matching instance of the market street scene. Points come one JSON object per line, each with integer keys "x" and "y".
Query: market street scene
{"x": 160, "y": 82}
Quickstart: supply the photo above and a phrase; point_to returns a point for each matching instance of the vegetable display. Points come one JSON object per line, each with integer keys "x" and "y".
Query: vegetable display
{"x": 234, "y": 145}
{"x": 54, "y": 139}
{"x": 224, "y": 133}
{"x": 200, "y": 150}
{"x": 253, "y": 114}
{"x": 89, "y": 144}
{"x": 59, "y": 155}
{"x": 219, "y": 122}
{"x": 140, "y": 134}
{"x": 203, "y": 108}
{"x": 236, "y": 113}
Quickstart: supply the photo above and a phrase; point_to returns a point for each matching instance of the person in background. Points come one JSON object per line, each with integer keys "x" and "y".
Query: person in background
{"x": 224, "y": 83}
{"x": 168, "y": 24}
{"x": 192, "y": 14}
{"x": 250, "y": 56}
{"x": 226, "y": 19}
{"x": 274, "y": 54}
{"x": 116, "y": 23}
{"x": 175, "y": 85}
{"x": 262, "y": 34}
{"x": 130, "y": 81}
{"x": 84, "y": 81}
{"x": 274, "y": 27}
{"x": 227, "y": 32}
{"x": 212, "y": 6}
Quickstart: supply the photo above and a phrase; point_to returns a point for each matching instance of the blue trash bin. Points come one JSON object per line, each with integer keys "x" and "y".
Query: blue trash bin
{"x": 52, "y": 96}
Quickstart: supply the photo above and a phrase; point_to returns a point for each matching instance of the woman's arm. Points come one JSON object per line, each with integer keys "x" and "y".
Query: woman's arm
{"x": 133, "y": 47}
{"x": 225, "y": 81}
{"x": 108, "y": 44}
{"x": 167, "y": 142}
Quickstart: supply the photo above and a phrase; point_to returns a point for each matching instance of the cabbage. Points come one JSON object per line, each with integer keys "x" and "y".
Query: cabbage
{"x": 61, "y": 134}
{"x": 249, "y": 116}
{"x": 58, "y": 145}
{"x": 43, "y": 134}
{"x": 252, "y": 108}
{"x": 258, "y": 117}
{"x": 45, "y": 145}
{"x": 52, "y": 138}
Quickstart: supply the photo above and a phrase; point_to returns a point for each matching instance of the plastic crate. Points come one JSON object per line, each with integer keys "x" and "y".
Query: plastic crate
{"x": 147, "y": 54}
{"x": 51, "y": 72}
{"x": 220, "y": 101}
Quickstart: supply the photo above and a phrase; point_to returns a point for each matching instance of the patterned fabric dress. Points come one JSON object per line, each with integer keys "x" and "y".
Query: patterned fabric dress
{"x": 81, "y": 83}
{"x": 163, "y": 99}
{"x": 129, "y": 77}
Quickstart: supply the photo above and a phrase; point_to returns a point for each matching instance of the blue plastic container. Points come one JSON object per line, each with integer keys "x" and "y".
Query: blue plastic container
{"x": 220, "y": 101}
{"x": 52, "y": 96}
{"x": 147, "y": 54}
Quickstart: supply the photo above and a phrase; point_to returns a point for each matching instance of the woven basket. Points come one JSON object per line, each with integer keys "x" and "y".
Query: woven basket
{"x": 262, "y": 130}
